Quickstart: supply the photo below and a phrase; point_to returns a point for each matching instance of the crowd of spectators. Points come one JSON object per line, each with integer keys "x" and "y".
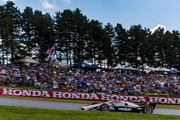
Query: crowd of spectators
{"x": 123, "y": 82}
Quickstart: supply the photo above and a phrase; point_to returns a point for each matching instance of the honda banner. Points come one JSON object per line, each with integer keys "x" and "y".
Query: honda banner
{"x": 85, "y": 96}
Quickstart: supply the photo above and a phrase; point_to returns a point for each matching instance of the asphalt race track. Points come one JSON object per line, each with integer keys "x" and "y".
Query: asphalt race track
{"x": 64, "y": 106}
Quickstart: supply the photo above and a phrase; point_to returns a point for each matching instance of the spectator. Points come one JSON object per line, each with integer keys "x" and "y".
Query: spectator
{"x": 124, "y": 82}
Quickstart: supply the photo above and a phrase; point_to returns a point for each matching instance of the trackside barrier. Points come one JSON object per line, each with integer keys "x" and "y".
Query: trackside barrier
{"x": 84, "y": 96}
{"x": 165, "y": 95}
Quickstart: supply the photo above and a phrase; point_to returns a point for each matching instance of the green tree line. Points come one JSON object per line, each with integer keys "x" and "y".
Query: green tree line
{"x": 79, "y": 39}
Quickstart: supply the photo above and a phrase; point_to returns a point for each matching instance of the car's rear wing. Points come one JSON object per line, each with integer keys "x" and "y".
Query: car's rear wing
{"x": 152, "y": 104}
{"x": 149, "y": 103}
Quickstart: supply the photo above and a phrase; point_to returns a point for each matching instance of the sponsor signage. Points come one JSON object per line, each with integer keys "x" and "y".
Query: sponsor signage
{"x": 85, "y": 96}
{"x": 125, "y": 109}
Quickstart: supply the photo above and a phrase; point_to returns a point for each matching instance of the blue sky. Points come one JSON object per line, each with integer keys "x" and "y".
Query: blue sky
{"x": 148, "y": 13}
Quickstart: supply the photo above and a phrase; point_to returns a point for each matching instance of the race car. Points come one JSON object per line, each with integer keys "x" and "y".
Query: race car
{"x": 123, "y": 106}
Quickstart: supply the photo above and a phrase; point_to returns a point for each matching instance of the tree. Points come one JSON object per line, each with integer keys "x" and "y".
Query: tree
{"x": 171, "y": 49}
{"x": 11, "y": 38}
{"x": 136, "y": 36}
{"x": 159, "y": 47}
{"x": 5, "y": 23}
{"x": 95, "y": 42}
{"x": 120, "y": 44}
{"x": 107, "y": 45}
{"x": 64, "y": 30}
{"x": 72, "y": 31}
{"x": 80, "y": 37}
{"x": 149, "y": 49}
{"x": 27, "y": 36}
{"x": 43, "y": 32}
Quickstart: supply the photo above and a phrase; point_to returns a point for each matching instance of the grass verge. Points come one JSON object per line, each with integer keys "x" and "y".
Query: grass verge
{"x": 23, "y": 113}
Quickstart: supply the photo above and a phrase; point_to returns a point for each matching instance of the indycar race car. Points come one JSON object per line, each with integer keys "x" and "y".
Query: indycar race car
{"x": 123, "y": 106}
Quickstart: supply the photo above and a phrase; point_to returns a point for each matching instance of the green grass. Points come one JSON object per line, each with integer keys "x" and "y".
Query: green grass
{"x": 23, "y": 113}
{"x": 168, "y": 106}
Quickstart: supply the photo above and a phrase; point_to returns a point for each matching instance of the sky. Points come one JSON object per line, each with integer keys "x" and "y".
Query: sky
{"x": 147, "y": 13}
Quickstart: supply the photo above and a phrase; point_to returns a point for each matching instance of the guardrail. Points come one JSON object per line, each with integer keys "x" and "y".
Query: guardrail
{"x": 158, "y": 95}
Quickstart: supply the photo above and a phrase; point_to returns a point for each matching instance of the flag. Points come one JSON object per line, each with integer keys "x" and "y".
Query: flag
{"x": 53, "y": 48}
{"x": 52, "y": 57}
{"x": 48, "y": 56}
{"x": 37, "y": 48}
{"x": 48, "y": 51}
{"x": 39, "y": 55}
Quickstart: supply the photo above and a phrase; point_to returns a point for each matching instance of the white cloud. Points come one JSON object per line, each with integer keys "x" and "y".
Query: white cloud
{"x": 67, "y": 1}
{"x": 159, "y": 26}
{"x": 43, "y": 13}
{"x": 46, "y": 4}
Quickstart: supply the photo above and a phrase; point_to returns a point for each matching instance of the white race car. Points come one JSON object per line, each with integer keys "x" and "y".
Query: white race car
{"x": 123, "y": 106}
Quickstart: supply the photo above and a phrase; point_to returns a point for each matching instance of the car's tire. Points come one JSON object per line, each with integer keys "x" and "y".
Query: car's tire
{"x": 94, "y": 103}
{"x": 104, "y": 107}
{"x": 148, "y": 110}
